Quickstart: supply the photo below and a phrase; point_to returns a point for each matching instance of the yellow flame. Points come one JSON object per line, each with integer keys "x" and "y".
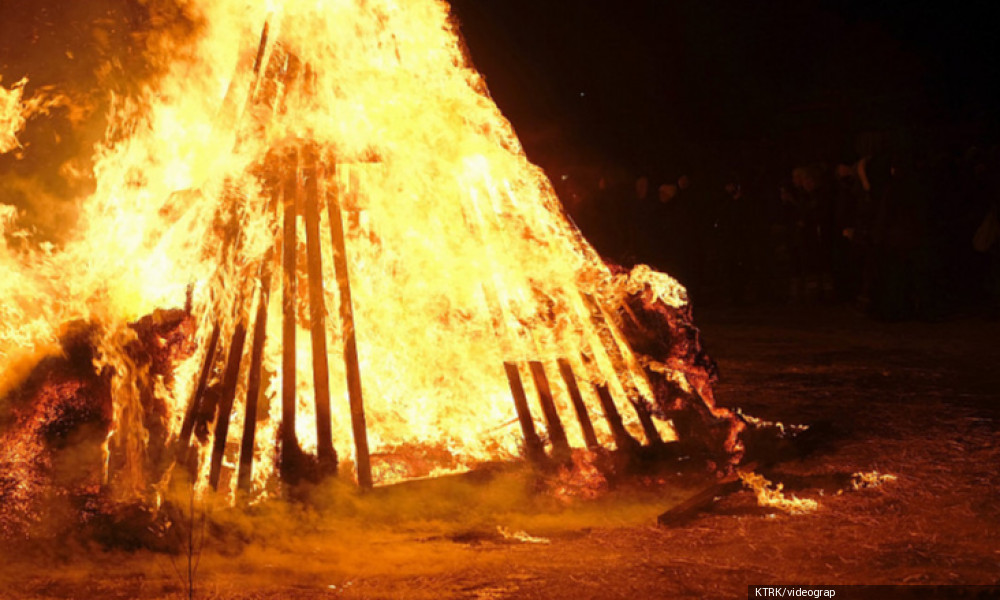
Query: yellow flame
{"x": 521, "y": 536}
{"x": 770, "y": 495}
{"x": 459, "y": 255}
{"x": 15, "y": 111}
{"x": 870, "y": 480}
{"x": 11, "y": 116}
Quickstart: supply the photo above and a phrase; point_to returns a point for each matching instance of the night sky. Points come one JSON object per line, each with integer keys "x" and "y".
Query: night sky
{"x": 636, "y": 82}
{"x": 646, "y": 85}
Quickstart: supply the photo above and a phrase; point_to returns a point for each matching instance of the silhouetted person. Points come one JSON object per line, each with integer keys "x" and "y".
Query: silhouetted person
{"x": 898, "y": 236}
{"x": 695, "y": 216}
{"x": 814, "y": 229}
{"x": 665, "y": 246}
{"x": 846, "y": 235}
{"x": 597, "y": 215}
{"x": 738, "y": 229}
{"x": 642, "y": 230}
{"x": 782, "y": 259}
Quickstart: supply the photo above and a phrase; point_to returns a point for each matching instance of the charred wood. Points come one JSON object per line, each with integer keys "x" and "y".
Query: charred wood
{"x": 229, "y": 382}
{"x": 690, "y": 508}
{"x": 290, "y": 450}
{"x": 623, "y": 440}
{"x": 254, "y": 377}
{"x": 352, "y": 367}
{"x": 586, "y": 426}
{"x": 55, "y": 424}
{"x": 317, "y": 317}
{"x": 557, "y": 434}
{"x": 533, "y": 448}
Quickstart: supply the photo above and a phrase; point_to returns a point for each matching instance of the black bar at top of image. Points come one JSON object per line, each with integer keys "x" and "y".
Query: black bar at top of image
{"x": 874, "y": 592}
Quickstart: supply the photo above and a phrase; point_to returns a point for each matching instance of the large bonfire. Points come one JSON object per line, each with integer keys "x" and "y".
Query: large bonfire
{"x": 191, "y": 292}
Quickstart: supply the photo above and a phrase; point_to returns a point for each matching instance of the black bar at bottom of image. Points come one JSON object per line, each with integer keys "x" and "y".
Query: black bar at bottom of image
{"x": 874, "y": 592}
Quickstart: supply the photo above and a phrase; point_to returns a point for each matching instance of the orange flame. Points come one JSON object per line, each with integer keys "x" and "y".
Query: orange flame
{"x": 459, "y": 255}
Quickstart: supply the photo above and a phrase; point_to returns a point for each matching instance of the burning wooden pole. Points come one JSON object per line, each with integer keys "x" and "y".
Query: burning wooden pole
{"x": 358, "y": 424}
{"x": 317, "y": 318}
{"x": 623, "y": 440}
{"x": 586, "y": 426}
{"x": 247, "y": 71}
{"x": 225, "y": 408}
{"x": 227, "y": 119}
{"x": 290, "y": 451}
{"x": 231, "y": 374}
{"x": 533, "y": 446}
{"x": 560, "y": 445}
{"x": 194, "y": 406}
{"x": 646, "y": 420}
{"x": 534, "y": 449}
{"x": 688, "y": 509}
{"x": 230, "y": 243}
{"x": 614, "y": 353}
{"x": 245, "y": 475}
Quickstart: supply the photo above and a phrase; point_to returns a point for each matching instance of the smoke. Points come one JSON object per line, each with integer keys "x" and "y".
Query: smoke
{"x": 337, "y": 540}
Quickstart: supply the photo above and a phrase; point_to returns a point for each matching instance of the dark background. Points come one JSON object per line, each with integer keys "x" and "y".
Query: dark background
{"x": 640, "y": 83}
{"x": 706, "y": 87}
{"x": 647, "y": 84}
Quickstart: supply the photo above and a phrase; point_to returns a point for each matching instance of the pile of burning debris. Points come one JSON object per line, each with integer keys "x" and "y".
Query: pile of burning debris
{"x": 57, "y": 425}
{"x": 57, "y": 433}
{"x": 353, "y": 164}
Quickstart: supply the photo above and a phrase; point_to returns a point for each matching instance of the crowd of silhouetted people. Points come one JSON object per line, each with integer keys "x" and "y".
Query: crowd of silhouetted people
{"x": 898, "y": 236}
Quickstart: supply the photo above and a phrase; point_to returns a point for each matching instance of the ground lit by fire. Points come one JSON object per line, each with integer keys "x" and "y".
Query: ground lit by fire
{"x": 901, "y": 399}
{"x": 294, "y": 201}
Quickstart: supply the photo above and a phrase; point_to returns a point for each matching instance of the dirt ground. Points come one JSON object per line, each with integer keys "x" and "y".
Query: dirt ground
{"x": 919, "y": 401}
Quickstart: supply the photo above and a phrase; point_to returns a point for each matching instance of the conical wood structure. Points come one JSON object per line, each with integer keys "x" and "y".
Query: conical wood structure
{"x": 313, "y": 194}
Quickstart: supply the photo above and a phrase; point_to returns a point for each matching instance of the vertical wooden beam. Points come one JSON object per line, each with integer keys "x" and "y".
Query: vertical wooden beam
{"x": 557, "y": 432}
{"x": 623, "y": 440}
{"x": 187, "y": 426}
{"x": 290, "y": 450}
{"x": 228, "y": 118}
{"x": 229, "y": 381}
{"x": 621, "y": 369}
{"x": 533, "y": 448}
{"x": 358, "y": 424}
{"x": 560, "y": 445}
{"x": 317, "y": 318}
{"x": 247, "y": 72}
{"x": 646, "y": 420}
{"x": 245, "y": 476}
{"x": 586, "y": 426}
{"x": 261, "y": 47}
